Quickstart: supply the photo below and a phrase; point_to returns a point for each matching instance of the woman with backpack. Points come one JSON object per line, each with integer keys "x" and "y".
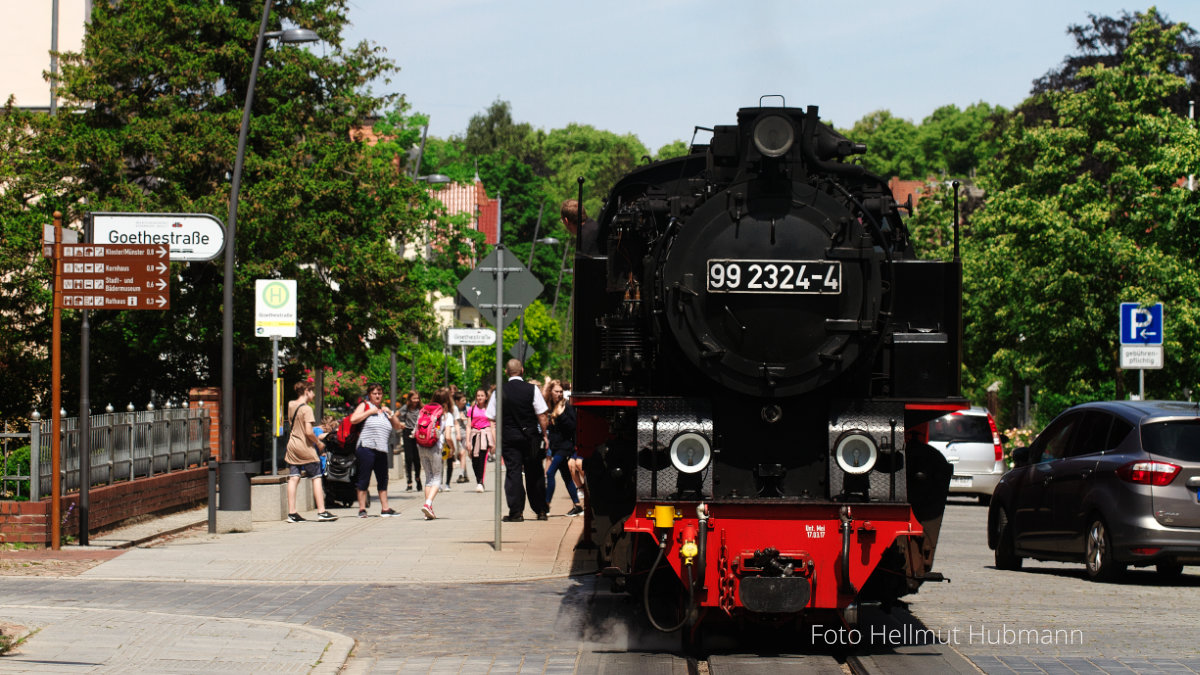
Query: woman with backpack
{"x": 434, "y": 426}
{"x": 481, "y": 436}
{"x": 561, "y": 443}
{"x": 373, "y": 447}
{"x": 408, "y": 418}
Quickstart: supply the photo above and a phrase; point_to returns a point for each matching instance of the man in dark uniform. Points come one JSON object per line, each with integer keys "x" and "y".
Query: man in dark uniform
{"x": 587, "y": 238}
{"x": 524, "y": 410}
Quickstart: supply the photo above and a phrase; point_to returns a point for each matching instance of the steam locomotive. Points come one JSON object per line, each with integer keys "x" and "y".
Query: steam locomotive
{"x": 757, "y": 349}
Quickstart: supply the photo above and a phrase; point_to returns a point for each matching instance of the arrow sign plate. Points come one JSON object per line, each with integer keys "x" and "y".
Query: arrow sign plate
{"x": 116, "y": 276}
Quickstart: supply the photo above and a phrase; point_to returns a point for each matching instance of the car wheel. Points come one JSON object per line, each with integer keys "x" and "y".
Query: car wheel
{"x": 1099, "y": 553}
{"x": 1006, "y": 555}
{"x": 984, "y": 500}
{"x": 1169, "y": 570}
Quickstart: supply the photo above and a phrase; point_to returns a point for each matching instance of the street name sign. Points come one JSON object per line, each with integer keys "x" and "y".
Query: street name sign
{"x": 471, "y": 337}
{"x": 192, "y": 236}
{"x": 275, "y": 307}
{"x": 116, "y": 276}
{"x": 520, "y": 287}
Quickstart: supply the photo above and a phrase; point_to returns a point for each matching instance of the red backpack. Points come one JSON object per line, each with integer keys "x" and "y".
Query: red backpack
{"x": 428, "y": 423}
{"x": 347, "y": 433}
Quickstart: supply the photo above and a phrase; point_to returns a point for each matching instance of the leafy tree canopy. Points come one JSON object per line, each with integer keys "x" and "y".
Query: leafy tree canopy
{"x": 671, "y": 150}
{"x": 1104, "y": 40}
{"x": 954, "y": 142}
{"x": 892, "y": 147}
{"x": 151, "y": 110}
{"x": 1085, "y": 210}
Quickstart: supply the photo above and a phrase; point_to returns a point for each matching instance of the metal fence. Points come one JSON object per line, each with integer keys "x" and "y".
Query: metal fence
{"x": 12, "y": 439}
{"x": 124, "y": 446}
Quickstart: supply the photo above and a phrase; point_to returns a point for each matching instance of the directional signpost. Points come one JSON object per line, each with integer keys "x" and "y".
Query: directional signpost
{"x": 500, "y": 273}
{"x": 86, "y": 277}
{"x": 116, "y": 276}
{"x": 1141, "y": 340}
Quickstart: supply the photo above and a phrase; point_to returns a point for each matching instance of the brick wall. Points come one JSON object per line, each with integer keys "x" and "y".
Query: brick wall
{"x": 209, "y": 398}
{"x": 29, "y": 522}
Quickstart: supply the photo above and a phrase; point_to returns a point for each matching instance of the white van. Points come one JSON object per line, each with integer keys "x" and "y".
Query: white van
{"x": 970, "y": 442}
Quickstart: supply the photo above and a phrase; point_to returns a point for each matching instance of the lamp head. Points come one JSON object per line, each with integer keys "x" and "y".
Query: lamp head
{"x": 434, "y": 178}
{"x": 294, "y": 35}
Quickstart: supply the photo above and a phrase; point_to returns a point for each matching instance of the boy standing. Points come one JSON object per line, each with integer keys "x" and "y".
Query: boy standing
{"x": 302, "y": 458}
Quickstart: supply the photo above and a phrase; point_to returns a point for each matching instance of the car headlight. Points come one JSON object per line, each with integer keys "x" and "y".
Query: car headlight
{"x": 690, "y": 452}
{"x": 774, "y": 135}
{"x": 856, "y": 452}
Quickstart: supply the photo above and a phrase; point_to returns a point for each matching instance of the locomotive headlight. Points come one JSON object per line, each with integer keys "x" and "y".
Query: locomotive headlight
{"x": 690, "y": 452}
{"x": 774, "y": 135}
{"x": 856, "y": 452}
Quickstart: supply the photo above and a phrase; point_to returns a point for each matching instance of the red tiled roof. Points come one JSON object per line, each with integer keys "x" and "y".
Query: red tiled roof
{"x": 470, "y": 198}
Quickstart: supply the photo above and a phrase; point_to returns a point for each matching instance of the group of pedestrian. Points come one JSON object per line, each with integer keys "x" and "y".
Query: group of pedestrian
{"x": 538, "y": 433}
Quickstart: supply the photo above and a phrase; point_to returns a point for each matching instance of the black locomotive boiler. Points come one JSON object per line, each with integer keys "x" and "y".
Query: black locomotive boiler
{"x": 757, "y": 349}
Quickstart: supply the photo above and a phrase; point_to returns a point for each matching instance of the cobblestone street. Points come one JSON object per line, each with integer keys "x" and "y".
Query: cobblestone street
{"x": 574, "y": 624}
{"x": 1050, "y": 609}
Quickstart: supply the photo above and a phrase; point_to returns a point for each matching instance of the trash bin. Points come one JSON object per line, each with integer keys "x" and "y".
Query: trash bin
{"x": 235, "y": 484}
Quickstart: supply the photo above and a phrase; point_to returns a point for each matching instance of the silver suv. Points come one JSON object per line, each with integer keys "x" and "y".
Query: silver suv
{"x": 970, "y": 442}
{"x": 1109, "y": 484}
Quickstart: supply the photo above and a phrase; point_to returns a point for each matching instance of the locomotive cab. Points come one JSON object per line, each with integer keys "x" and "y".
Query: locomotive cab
{"x": 754, "y": 352}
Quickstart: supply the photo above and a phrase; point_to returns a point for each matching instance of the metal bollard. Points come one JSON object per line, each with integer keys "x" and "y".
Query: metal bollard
{"x": 212, "y": 496}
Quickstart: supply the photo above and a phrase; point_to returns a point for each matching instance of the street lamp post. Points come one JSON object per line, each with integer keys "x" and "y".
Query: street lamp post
{"x": 561, "y": 268}
{"x": 431, "y": 179}
{"x": 289, "y": 36}
{"x": 551, "y": 241}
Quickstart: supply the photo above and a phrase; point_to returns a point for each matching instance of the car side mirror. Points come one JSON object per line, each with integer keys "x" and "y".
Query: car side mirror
{"x": 1020, "y": 456}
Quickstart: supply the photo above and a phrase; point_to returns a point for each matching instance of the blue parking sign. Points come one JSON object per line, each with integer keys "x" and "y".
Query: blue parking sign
{"x": 1141, "y": 325}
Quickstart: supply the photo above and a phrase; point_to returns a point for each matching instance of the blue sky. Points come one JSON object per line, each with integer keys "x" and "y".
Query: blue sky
{"x": 657, "y": 68}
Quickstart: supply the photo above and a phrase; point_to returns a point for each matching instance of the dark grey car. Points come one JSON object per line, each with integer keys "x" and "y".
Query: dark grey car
{"x": 1110, "y": 484}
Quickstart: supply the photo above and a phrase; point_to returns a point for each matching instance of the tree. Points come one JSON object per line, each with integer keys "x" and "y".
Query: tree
{"x": 892, "y": 145}
{"x": 1085, "y": 210}
{"x": 955, "y": 141}
{"x": 541, "y": 332}
{"x": 495, "y": 133}
{"x": 1104, "y": 40}
{"x": 25, "y": 277}
{"x": 151, "y": 109}
{"x": 601, "y": 158}
{"x": 671, "y": 150}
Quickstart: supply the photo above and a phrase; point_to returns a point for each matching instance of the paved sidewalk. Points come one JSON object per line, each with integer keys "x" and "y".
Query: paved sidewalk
{"x": 406, "y": 549}
{"x": 457, "y": 546}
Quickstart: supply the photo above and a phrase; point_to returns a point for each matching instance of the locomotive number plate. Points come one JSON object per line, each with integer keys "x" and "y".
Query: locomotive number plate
{"x": 814, "y": 277}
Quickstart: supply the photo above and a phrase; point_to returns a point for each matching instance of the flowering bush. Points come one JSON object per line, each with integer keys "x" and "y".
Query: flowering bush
{"x": 1017, "y": 438}
{"x": 340, "y": 385}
